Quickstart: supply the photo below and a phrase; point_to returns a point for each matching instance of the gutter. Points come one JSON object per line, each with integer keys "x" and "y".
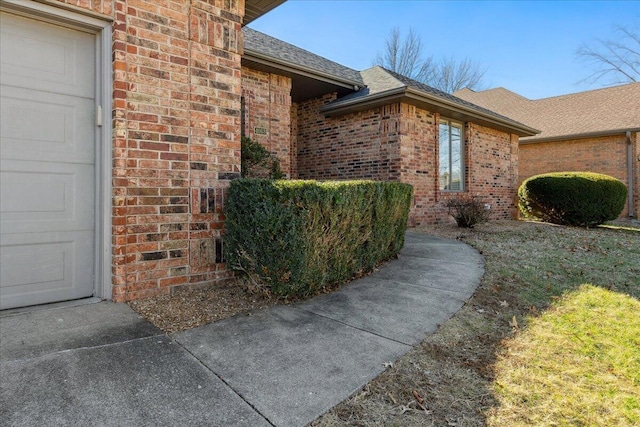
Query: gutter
{"x": 534, "y": 140}
{"x": 630, "y": 186}
{"x": 365, "y": 102}
{"x": 525, "y": 130}
{"x": 404, "y": 94}
{"x": 270, "y": 61}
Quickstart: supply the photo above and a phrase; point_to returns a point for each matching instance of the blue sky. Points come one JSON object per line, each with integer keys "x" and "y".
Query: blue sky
{"x": 527, "y": 47}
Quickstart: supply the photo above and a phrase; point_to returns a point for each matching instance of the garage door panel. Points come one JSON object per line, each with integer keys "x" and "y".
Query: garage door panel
{"x": 56, "y": 137}
{"x": 45, "y": 267}
{"x": 38, "y": 197}
{"x": 22, "y": 271}
{"x": 46, "y": 57}
{"x": 47, "y": 162}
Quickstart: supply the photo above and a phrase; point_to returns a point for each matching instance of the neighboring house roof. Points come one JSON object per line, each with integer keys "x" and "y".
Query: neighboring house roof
{"x": 607, "y": 111}
{"x": 254, "y": 9}
{"x": 313, "y": 75}
{"x": 384, "y": 86}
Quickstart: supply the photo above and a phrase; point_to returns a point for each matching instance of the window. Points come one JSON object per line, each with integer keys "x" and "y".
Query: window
{"x": 243, "y": 111}
{"x": 451, "y": 156}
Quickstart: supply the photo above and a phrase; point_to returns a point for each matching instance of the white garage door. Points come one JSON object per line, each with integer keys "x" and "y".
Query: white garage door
{"x": 47, "y": 162}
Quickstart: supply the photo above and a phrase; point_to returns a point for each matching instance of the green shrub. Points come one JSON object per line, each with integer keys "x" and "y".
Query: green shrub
{"x": 572, "y": 198}
{"x": 300, "y": 236}
{"x": 467, "y": 210}
{"x": 257, "y": 162}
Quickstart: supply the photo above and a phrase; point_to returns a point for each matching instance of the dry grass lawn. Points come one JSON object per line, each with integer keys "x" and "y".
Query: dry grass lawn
{"x": 480, "y": 367}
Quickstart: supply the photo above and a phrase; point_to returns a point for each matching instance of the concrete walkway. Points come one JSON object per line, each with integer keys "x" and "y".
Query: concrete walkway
{"x": 101, "y": 364}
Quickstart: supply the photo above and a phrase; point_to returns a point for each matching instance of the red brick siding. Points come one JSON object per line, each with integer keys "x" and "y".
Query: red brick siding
{"x": 267, "y": 105}
{"x": 492, "y": 168}
{"x": 294, "y": 140}
{"x": 607, "y": 155}
{"x": 104, "y": 7}
{"x": 216, "y": 46}
{"x": 176, "y": 138}
{"x": 354, "y": 146}
{"x": 398, "y": 142}
{"x": 419, "y": 163}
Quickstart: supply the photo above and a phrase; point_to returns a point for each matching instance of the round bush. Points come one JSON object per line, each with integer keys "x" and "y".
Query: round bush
{"x": 572, "y": 198}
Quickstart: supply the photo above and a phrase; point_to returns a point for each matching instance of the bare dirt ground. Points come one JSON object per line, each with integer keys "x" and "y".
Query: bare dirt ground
{"x": 189, "y": 307}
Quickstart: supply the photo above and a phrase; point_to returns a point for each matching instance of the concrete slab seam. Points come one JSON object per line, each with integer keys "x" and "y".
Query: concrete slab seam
{"x": 69, "y": 350}
{"x": 413, "y": 285}
{"x": 453, "y": 291}
{"x": 354, "y": 327}
{"x": 461, "y": 293}
{"x": 434, "y": 259}
{"x": 49, "y": 307}
{"x": 236, "y": 392}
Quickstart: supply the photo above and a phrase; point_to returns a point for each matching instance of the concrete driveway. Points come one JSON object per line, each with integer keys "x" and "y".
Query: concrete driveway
{"x": 102, "y": 365}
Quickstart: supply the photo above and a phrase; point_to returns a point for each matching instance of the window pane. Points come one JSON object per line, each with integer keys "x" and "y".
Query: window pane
{"x": 456, "y": 158}
{"x": 451, "y": 156}
{"x": 444, "y": 172}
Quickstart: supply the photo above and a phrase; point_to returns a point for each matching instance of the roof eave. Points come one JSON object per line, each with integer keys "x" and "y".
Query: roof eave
{"x": 254, "y": 9}
{"x": 535, "y": 140}
{"x": 480, "y": 117}
{"x": 431, "y": 103}
{"x": 290, "y": 67}
{"x": 363, "y": 103}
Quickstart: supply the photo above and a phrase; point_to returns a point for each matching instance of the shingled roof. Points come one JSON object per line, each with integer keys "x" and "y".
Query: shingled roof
{"x": 263, "y": 51}
{"x": 605, "y": 111}
{"x": 384, "y": 86}
{"x": 314, "y": 76}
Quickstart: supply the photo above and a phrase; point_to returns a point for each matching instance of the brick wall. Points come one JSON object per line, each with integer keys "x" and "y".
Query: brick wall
{"x": 293, "y": 114}
{"x": 176, "y": 128}
{"x": 353, "y": 146}
{"x": 267, "y": 109}
{"x": 492, "y": 168}
{"x": 399, "y": 142}
{"x": 104, "y": 7}
{"x": 419, "y": 163}
{"x": 607, "y": 155}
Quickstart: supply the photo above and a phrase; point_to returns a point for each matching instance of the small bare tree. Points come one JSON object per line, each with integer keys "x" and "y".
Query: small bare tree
{"x": 406, "y": 56}
{"x": 451, "y": 75}
{"x": 615, "y": 61}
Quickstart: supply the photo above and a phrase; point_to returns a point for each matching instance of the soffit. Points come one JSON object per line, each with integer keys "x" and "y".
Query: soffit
{"x": 254, "y": 9}
{"x": 304, "y": 85}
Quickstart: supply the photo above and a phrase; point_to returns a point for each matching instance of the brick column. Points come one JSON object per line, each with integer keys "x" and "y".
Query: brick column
{"x": 215, "y": 48}
{"x": 176, "y": 140}
{"x": 267, "y": 118}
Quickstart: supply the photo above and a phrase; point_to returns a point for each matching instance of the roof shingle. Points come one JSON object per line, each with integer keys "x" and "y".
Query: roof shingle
{"x": 276, "y": 49}
{"x": 596, "y": 111}
{"x": 378, "y": 80}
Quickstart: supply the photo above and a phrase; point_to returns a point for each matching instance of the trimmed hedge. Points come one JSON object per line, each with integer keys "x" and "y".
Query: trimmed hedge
{"x": 572, "y": 198}
{"x": 300, "y": 236}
